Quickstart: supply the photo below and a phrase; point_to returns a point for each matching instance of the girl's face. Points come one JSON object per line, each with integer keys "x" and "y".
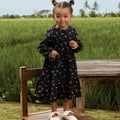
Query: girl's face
{"x": 62, "y": 17}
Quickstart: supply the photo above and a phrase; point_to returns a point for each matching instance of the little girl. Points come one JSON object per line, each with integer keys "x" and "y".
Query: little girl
{"x": 59, "y": 79}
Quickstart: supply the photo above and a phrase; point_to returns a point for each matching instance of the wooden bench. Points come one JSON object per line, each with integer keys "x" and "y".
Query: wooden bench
{"x": 96, "y": 72}
{"x": 91, "y": 73}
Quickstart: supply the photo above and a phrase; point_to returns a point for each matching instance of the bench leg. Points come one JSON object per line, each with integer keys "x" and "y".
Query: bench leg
{"x": 23, "y": 95}
{"x": 80, "y": 102}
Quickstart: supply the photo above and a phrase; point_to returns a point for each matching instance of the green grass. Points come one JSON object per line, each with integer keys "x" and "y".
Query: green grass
{"x": 103, "y": 114}
{"x": 11, "y": 111}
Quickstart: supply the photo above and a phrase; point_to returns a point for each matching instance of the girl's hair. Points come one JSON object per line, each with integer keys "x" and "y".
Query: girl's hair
{"x": 63, "y": 5}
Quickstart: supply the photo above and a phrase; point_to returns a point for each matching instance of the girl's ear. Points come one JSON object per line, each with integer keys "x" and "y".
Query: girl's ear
{"x": 53, "y": 16}
{"x": 71, "y": 16}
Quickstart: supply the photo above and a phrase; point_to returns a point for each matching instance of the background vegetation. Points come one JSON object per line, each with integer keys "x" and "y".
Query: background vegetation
{"x": 20, "y": 38}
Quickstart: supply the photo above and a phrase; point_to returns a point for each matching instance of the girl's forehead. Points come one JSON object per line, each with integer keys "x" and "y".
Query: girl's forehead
{"x": 65, "y": 10}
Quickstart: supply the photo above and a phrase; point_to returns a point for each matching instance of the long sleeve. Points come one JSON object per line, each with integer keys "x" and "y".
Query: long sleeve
{"x": 44, "y": 48}
{"x": 80, "y": 44}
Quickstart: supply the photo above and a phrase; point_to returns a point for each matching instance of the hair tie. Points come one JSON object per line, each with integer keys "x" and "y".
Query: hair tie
{"x": 54, "y": 2}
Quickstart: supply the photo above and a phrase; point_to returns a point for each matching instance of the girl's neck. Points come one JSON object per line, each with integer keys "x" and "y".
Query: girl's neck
{"x": 62, "y": 28}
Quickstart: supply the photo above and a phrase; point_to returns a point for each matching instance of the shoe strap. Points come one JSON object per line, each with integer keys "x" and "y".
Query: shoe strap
{"x": 67, "y": 112}
{"x": 53, "y": 113}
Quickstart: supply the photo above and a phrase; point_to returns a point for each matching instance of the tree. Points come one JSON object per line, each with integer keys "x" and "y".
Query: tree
{"x": 95, "y": 6}
{"x": 119, "y": 10}
{"x": 6, "y": 16}
{"x": 87, "y": 6}
{"x": 82, "y": 12}
{"x": 43, "y": 13}
{"x": 92, "y": 12}
{"x": 119, "y": 5}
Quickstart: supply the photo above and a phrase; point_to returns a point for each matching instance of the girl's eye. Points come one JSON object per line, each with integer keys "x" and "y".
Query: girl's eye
{"x": 58, "y": 16}
{"x": 66, "y": 16}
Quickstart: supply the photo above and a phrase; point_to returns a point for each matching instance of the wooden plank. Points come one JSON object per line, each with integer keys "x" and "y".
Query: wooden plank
{"x": 34, "y": 72}
{"x": 82, "y": 116}
{"x": 40, "y": 115}
{"x": 44, "y": 115}
{"x": 98, "y": 67}
{"x": 103, "y": 80}
{"x": 80, "y": 102}
{"x": 88, "y": 64}
{"x": 97, "y": 73}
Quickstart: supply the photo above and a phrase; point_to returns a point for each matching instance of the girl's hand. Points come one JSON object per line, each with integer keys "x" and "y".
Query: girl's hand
{"x": 73, "y": 44}
{"x": 54, "y": 54}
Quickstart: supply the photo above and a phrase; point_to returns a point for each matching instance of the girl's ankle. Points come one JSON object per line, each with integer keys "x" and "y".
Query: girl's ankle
{"x": 66, "y": 110}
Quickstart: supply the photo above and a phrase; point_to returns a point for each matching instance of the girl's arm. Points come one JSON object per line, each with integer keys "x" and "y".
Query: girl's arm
{"x": 44, "y": 47}
{"x": 80, "y": 44}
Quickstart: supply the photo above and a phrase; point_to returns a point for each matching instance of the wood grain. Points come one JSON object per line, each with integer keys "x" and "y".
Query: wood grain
{"x": 98, "y": 67}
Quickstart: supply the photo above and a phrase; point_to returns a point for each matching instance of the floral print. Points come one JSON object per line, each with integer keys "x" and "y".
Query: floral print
{"x": 59, "y": 79}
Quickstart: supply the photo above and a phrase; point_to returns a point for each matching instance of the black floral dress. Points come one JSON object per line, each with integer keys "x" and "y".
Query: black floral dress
{"x": 59, "y": 79}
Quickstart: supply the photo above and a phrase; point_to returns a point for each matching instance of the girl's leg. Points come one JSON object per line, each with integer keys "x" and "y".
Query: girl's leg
{"x": 54, "y": 106}
{"x": 66, "y": 104}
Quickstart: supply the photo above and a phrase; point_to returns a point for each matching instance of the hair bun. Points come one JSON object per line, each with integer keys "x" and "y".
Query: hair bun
{"x": 71, "y": 2}
{"x": 54, "y": 2}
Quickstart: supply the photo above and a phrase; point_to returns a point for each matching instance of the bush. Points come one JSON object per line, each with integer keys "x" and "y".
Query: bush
{"x": 118, "y": 14}
{"x": 114, "y": 14}
{"x": 93, "y": 14}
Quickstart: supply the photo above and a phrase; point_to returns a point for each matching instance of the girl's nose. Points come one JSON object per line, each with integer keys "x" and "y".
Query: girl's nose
{"x": 62, "y": 18}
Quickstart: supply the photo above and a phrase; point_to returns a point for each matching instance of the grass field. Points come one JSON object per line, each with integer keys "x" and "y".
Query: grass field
{"x": 11, "y": 111}
{"x": 20, "y": 38}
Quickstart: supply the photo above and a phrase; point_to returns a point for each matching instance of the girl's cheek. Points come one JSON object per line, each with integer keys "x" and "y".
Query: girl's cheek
{"x": 57, "y": 19}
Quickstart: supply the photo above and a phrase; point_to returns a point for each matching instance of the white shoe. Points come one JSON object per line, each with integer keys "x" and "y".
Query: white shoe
{"x": 66, "y": 116}
{"x": 54, "y": 118}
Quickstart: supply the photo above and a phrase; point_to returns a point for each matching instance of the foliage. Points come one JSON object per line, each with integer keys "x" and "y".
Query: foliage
{"x": 114, "y": 14}
{"x": 82, "y": 12}
{"x": 43, "y": 13}
{"x": 20, "y": 38}
{"x": 93, "y": 14}
{"x": 37, "y": 14}
{"x": 93, "y": 9}
{"x": 86, "y": 5}
{"x": 95, "y": 6}
{"x": 119, "y": 14}
{"x": 102, "y": 95}
{"x": 119, "y": 5}
{"x": 10, "y": 16}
